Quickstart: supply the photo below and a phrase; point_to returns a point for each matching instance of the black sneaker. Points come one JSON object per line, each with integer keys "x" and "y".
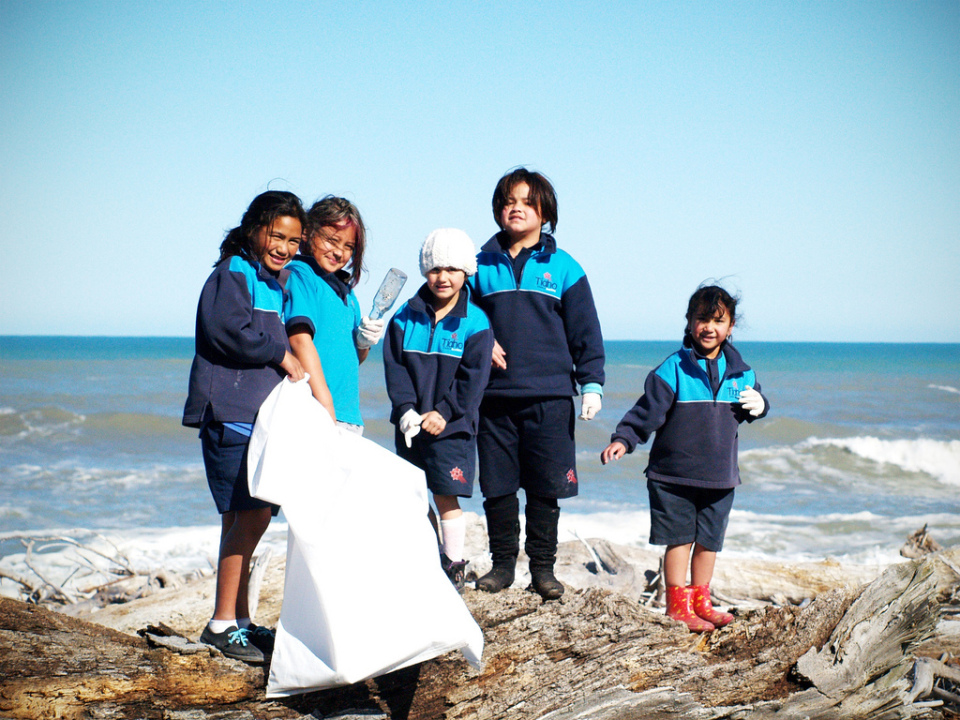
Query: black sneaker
{"x": 262, "y": 638}
{"x": 235, "y": 643}
{"x": 456, "y": 571}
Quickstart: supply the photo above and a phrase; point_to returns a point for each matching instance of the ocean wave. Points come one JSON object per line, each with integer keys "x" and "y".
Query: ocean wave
{"x": 39, "y": 422}
{"x": 939, "y": 459}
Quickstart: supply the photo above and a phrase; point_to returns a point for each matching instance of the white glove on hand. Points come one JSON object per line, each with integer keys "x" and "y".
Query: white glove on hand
{"x": 369, "y": 333}
{"x": 589, "y": 406}
{"x": 752, "y": 401}
{"x": 410, "y": 425}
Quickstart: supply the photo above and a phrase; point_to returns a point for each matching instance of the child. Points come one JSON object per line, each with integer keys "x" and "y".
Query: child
{"x": 436, "y": 358}
{"x": 694, "y": 402}
{"x": 241, "y": 355}
{"x": 326, "y": 331}
{"x": 548, "y": 341}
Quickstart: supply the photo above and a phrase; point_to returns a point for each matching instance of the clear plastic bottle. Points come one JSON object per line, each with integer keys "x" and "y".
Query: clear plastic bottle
{"x": 388, "y": 293}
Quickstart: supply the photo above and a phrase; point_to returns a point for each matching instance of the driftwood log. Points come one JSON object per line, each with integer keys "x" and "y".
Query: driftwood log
{"x": 595, "y": 654}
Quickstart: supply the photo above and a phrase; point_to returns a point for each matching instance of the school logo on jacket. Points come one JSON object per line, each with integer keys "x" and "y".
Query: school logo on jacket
{"x": 451, "y": 343}
{"x": 457, "y": 474}
{"x": 545, "y": 282}
{"x": 733, "y": 392}
{"x": 571, "y": 476}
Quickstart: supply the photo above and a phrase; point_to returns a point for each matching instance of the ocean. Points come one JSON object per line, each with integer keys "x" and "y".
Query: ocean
{"x": 861, "y": 448}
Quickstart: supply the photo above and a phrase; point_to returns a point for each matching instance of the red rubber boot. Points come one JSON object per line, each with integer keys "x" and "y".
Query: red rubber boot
{"x": 700, "y": 600}
{"x": 679, "y": 608}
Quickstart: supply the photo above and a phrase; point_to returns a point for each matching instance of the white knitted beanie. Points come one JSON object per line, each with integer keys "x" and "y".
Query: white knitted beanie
{"x": 448, "y": 248}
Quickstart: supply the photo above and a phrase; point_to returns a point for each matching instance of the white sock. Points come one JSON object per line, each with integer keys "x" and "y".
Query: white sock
{"x": 454, "y": 533}
{"x": 219, "y": 626}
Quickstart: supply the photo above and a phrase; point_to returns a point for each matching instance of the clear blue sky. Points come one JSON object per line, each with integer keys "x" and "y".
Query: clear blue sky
{"x": 808, "y": 152}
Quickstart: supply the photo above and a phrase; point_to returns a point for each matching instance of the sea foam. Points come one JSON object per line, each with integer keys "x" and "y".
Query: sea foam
{"x": 939, "y": 459}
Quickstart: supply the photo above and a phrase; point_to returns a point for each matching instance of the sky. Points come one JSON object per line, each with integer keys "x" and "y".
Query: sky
{"x": 805, "y": 154}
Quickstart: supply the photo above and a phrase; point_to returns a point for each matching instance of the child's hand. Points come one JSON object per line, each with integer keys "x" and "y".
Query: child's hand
{"x": 292, "y": 367}
{"x": 613, "y": 451}
{"x": 499, "y": 359}
{"x": 410, "y": 426}
{"x": 433, "y": 422}
{"x": 368, "y": 333}
{"x": 589, "y": 405}
{"x": 752, "y": 401}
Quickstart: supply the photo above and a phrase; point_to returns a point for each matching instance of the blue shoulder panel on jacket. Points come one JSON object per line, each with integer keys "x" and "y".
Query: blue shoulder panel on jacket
{"x": 550, "y": 273}
{"x": 265, "y": 292}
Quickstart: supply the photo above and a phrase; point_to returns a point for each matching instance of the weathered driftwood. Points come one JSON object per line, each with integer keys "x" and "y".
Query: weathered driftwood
{"x": 918, "y": 544}
{"x": 595, "y": 654}
{"x": 56, "y": 666}
{"x": 98, "y": 576}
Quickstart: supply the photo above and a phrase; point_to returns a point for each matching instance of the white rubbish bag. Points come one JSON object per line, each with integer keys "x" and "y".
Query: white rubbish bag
{"x": 364, "y": 592}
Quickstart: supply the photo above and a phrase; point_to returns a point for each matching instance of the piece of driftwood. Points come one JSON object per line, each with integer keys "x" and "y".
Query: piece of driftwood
{"x": 918, "y": 544}
{"x": 595, "y": 654}
{"x": 56, "y": 666}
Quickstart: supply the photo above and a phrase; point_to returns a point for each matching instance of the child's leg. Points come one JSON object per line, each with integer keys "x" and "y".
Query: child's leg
{"x": 712, "y": 519}
{"x": 240, "y": 533}
{"x": 498, "y": 449}
{"x": 679, "y": 596}
{"x": 452, "y": 524}
{"x": 701, "y": 568}
{"x": 676, "y": 559}
{"x": 543, "y": 516}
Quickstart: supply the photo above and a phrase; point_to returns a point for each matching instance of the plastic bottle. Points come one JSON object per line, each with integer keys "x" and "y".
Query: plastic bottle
{"x": 388, "y": 293}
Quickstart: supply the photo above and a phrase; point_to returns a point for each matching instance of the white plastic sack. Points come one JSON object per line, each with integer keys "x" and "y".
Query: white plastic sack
{"x": 364, "y": 593}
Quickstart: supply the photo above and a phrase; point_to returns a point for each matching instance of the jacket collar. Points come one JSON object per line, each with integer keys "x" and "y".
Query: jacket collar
{"x": 421, "y": 302}
{"x": 547, "y": 244}
{"x": 336, "y": 280}
{"x": 735, "y": 363}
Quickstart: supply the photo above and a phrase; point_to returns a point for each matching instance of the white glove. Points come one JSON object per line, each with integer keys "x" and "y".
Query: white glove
{"x": 369, "y": 333}
{"x": 752, "y": 401}
{"x": 410, "y": 425}
{"x": 589, "y": 406}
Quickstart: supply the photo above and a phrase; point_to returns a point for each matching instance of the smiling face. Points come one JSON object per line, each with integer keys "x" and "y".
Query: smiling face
{"x": 520, "y": 217}
{"x": 445, "y": 283}
{"x": 277, "y": 243}
{"x": 332, "y": 246}
{"x": 709, "y": 332}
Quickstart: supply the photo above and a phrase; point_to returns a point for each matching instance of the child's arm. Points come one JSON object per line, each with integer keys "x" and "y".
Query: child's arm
{"x": 400, "y": 388}
{"x": 226, "y": 319}
{"x": 470, "y": 380}
{"x": 647, "y": 416}
{"x": 584, "y": 337}
{"x": 292, "y": 366}
{"x": 305, "y": 351}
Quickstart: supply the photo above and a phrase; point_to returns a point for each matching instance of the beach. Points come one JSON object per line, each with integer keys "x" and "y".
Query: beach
{"x": 861, "y": 448}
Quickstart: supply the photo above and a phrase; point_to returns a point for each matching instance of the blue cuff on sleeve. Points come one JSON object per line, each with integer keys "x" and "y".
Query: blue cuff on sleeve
{"x": 592, "y": 388}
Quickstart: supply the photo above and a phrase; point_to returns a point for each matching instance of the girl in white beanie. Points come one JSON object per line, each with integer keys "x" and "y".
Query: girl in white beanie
{"x": 436, "y": 358}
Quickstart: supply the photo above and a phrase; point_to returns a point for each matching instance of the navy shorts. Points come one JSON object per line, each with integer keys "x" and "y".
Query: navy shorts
{"x": 225, "y": 458}
{"x": 682, "y": 514}
{"x": 527, "y": 443}
{"x": 449, "y": 463}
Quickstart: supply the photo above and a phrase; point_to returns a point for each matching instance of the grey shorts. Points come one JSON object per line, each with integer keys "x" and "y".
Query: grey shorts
{"x": 682, "y": 514}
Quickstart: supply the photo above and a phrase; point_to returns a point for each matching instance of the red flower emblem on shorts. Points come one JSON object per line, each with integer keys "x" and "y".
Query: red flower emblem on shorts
{"x": 571, "y": 476}
{"x": 457, "y": 474}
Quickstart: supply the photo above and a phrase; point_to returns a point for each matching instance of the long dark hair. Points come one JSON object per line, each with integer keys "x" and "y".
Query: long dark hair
{"x": 263, "y": 212}
{"x": 333, "y": 211}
